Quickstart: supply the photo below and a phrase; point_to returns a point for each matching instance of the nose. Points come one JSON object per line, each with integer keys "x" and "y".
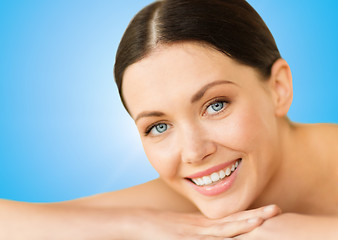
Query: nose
{"x": 196, "y": 145}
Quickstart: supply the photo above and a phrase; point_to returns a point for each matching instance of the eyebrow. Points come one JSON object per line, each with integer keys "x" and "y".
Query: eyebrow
{"x": 149, "y": 114}
{"x": 196, "y": 97}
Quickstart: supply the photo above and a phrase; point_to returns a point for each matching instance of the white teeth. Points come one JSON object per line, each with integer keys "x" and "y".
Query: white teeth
{"x": 222, "y": 174}
{"x": 195, "y": 181}
{"x": 200, "y": 182}
{"x": 214, "y": 177}
{"x": 227, "y": 172}
{"x": 207, "y": 180}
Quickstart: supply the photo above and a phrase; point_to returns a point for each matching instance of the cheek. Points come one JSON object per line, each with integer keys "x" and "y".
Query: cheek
{"x": 163, "y": 157}
{"x": 247, "y": 129}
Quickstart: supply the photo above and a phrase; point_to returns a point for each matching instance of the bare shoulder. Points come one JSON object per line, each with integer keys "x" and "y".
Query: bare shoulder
{"x": 154, "y": 194}
{"x": 323, "y": 135}
{"x": 328, "y": 135}
{"x": 319, "y": 144}
{"x": 321, "y": 150}
{"x": 323, "y": 129}
{"x": 323, "y": 139}
{"x": 329, "y": 129}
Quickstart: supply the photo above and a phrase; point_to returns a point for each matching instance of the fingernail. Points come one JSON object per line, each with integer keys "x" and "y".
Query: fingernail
{"x": 253, "y": 220}
{"x": 270, "y": 208}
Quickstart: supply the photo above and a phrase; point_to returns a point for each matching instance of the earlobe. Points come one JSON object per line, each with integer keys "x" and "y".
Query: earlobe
{"x": 281, "y": 86}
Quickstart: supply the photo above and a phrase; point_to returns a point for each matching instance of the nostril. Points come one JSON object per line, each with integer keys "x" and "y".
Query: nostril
{"x": 206, "y": 156}
{"x": 195, "y": 146}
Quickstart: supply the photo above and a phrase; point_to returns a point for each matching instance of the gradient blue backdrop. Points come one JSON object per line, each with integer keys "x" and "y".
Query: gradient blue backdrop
{"x": 63, "y": 131}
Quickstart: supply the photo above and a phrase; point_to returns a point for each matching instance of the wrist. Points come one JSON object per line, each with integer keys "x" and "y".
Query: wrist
{"x": 122, "y": 224}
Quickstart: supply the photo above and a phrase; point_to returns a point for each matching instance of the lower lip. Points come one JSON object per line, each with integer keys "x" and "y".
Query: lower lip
{"x": 219, "y": 187}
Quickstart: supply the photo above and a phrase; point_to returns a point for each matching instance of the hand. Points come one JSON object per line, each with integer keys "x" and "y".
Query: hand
{"x": 295, "y": 226}
{"x": 152, "y": 224}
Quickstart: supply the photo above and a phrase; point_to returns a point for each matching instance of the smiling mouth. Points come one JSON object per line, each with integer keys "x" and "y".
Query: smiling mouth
{"x": 216, "y": 176}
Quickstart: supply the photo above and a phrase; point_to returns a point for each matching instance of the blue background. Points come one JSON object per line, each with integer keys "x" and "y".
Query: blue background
{"x": 63, "y": 131}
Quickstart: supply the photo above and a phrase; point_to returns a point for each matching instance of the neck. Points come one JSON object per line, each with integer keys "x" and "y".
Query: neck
{"x": 291, "y": 183}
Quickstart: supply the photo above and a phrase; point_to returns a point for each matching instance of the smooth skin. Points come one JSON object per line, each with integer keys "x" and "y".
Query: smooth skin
{"x": 92, "y": 219}
{"x": 291, "y": 165}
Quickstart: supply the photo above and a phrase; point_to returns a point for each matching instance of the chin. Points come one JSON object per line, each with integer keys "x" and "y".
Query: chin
{"x": 215, "y": 210}
{"x": 214, "y": 214}
{"x": 223, "y": 207}
{"x": 217, "y": 213}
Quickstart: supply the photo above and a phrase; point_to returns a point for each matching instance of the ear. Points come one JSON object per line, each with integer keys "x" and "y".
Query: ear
{"x": 280, "y": 83}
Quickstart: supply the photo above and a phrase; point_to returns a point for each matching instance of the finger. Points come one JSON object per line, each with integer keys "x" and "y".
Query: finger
{"x": 231, "y": 229}
{"x": 263, "y": 212}
{"x": 208, "y": 238}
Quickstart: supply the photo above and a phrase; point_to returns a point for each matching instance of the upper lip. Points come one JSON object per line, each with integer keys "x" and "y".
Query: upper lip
{"x": 212, "y": 169}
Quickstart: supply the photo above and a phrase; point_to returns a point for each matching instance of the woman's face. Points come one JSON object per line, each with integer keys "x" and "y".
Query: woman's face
{"x": 207, "y": 125}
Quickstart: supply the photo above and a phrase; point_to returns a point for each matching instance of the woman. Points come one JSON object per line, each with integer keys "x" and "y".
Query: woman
{"x": 209, "y": 93}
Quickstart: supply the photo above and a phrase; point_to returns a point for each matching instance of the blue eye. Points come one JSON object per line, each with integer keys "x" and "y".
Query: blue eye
{"x": 215, "y": 107}
{"x": 158, "y": 129}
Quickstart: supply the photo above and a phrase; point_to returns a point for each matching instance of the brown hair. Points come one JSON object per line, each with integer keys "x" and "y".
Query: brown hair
{"x": 232, "y": 27}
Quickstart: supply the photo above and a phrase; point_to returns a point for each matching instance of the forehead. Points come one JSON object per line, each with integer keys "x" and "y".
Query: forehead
{"x": 176, "y": 71}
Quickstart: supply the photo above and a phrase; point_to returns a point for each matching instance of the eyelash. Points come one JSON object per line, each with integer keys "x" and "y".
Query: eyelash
{"x": 216, "y": 100}
{"x": 148, "y": 129}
